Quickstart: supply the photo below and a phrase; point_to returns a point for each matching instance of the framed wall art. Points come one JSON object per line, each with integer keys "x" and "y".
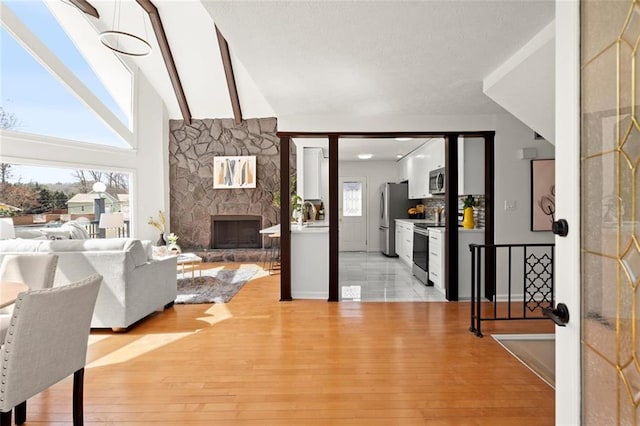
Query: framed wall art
{"x": 234, "y": 172}
{"x": 543, "y": 194}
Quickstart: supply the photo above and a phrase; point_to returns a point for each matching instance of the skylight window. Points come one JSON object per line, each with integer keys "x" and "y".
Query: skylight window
{"x": 42, "y": 103}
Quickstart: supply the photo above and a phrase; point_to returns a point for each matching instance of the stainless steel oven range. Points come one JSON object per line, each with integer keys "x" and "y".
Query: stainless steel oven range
{"x": 420, "y": 267}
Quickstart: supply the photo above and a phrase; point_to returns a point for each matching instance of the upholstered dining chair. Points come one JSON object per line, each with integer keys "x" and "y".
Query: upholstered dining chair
{"x": 46, "y": 342}
{"x": 37, "y": 270}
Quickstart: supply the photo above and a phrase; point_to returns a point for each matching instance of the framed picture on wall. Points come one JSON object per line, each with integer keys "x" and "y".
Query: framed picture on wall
{"x": 234, "y": 172}
{"x": 543, "y": 194}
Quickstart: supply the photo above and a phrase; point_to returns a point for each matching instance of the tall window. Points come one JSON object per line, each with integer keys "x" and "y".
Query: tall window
{"x": 39, "y": 100}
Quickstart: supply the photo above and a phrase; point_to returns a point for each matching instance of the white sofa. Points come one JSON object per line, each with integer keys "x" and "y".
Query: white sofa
{"x": 134, "y": 285}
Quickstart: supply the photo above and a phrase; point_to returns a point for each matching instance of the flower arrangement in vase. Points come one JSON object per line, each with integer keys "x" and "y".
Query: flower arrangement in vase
{"x": 159, "y": 224}
{"x": 174, "y": 248}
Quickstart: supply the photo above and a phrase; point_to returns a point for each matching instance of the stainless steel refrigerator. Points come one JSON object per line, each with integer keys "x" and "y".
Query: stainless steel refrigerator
{"x": 394, "y": 203}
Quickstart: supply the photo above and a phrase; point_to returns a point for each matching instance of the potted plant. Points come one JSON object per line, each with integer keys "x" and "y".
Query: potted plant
{"x": 174, "y": 248}
{"x": 468, "y": 222}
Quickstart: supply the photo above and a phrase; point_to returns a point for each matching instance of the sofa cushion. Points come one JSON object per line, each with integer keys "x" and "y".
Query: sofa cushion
{"x": 134, "y": 247}
{"x": 76, "y": 230}
{"x": 19, "y": 245}
{"x": 56, "y": 233}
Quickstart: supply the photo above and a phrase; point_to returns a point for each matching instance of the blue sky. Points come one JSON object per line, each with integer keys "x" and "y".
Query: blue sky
{"x": 41, "y": 103}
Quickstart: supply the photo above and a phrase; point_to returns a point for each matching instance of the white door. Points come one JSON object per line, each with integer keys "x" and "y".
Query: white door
{"x": 567, "y": 251}
{"x": 597, "y": 191}
{"x": 352, "y": 208}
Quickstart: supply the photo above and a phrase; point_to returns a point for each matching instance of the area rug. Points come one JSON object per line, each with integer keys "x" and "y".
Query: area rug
{"x": 214, "y": 286}
{"x": 536, "y": 351}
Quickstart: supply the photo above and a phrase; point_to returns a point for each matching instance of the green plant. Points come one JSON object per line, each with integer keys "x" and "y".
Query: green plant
{"x": 469, "y": 202}
{"x": 296, "y": 206}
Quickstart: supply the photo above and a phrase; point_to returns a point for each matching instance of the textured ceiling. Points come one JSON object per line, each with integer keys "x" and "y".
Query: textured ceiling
{"x": 377, "y": 58}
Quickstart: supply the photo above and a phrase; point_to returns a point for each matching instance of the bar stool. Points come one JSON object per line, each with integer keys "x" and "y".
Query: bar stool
{"x": 274, "y": 252}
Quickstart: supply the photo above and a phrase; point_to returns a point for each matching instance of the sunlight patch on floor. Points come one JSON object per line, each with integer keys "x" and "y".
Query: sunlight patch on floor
{"x": 218, "y": 312}
{"x": 535, "y": 351}
{"x": 141, "y": 346}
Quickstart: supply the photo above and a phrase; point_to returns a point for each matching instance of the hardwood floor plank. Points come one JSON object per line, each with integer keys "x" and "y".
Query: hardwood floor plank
{"x": 257, "y": 361}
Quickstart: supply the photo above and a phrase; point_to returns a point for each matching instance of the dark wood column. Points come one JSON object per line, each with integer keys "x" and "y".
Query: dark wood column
{"x": 489, "y": 194}
{"x": 451, "y": 213}
{"x": 334, "y": 284}
{"x": 285, "y": 223}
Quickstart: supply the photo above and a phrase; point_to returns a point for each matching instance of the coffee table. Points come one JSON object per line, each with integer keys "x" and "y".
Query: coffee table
{"x": 191, "y": 260}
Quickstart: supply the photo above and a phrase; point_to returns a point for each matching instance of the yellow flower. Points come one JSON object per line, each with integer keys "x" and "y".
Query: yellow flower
{"x": 158, "y": 224}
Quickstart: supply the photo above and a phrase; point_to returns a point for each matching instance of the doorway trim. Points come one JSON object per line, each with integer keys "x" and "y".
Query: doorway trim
{"x": 451, "y": 265}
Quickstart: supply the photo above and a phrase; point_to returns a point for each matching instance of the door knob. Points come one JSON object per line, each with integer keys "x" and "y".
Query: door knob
{"x": 560, "y": 227}
{"x": 559, "y": 315}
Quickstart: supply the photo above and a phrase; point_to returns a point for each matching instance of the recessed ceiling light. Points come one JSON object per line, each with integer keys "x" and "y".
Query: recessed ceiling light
{"x": 365, "y": 156}
{"x": 399, "y": 155}
{"x": 403, "y": 139}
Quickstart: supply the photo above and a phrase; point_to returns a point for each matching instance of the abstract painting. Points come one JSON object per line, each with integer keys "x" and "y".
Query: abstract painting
{"x": 543, "y": 194}
{"x": 234, "y": 172}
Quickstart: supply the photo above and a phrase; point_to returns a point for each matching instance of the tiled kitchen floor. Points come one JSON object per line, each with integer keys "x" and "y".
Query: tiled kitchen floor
{"x": 373, "y": 277}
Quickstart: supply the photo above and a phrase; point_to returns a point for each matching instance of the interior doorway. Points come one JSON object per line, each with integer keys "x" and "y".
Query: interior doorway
{"x": 352, "y": 208}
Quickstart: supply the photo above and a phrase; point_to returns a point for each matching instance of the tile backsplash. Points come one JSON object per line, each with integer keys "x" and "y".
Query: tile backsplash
{"x": 431, "y": 204}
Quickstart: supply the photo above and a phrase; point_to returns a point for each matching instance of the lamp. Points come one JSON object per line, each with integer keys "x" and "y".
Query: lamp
{"x": 111, "y": 220}
{"x": 124, "y": 42}
{"x": 7, "y": 231}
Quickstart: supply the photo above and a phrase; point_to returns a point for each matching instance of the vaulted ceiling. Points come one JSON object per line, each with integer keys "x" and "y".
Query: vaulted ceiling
{"x": 322, "y": 58}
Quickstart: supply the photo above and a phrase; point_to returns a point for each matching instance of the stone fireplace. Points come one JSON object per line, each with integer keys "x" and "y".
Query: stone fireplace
{"x": 235, "y": 231}
{"x": 195, "y": 205}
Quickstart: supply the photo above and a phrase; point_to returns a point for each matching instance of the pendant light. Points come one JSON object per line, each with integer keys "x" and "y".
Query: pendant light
{"x": 123, "y": 42}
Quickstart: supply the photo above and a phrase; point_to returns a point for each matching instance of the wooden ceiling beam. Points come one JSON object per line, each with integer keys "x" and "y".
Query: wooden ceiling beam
{"x": 228, "y": 72}
{"x": 86, "y": 7}
{"x": 161, "y": 37}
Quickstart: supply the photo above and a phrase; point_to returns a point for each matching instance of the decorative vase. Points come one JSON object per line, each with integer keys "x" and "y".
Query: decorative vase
{"x": 468, "y": 222}
{"x": 161, "y": 241}
{"x": 174, "y": 249}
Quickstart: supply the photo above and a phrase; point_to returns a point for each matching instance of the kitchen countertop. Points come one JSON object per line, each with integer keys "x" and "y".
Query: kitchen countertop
{"x": 415, "y": 220}
{"x": 310, "y": 228}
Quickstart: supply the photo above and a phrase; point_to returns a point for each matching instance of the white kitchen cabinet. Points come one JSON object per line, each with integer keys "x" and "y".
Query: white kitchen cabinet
{"x": 404, "y": 241}
{"x": 436, "y": 258}
{"x": 429, "y": 156}
{"x": 435, "y": 154}
{"x": 471, "y": 166}
{"x": 312, "y": 183}
{"x": 403, "y": 169}
{"x": 419, "y": 173}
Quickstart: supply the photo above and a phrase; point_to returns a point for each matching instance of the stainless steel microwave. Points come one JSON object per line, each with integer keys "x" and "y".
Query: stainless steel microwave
{"x": 437, "y": 184}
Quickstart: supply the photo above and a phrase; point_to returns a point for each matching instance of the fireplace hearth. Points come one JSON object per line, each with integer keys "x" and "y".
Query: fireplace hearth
{"x": 235, "y": 231}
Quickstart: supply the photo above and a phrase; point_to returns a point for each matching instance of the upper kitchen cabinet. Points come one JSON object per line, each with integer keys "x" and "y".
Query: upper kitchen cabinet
{"x": 419, "y": 173}
{"x": 471, "y": 166}
{"x": 312, "y": 174}
{"x": 405, "y": 166}
{"x": 428, "y": 157}
{"x": 435, "y": 148}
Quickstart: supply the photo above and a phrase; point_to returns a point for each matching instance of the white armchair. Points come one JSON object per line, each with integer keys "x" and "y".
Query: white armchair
{"x": 46, "y": 342}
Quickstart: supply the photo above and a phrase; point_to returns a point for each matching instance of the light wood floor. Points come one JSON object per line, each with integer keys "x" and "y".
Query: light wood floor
{"x": 258, "y": 361}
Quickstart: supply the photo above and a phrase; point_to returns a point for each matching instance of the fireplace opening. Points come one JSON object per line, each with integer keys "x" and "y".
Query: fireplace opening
{"x": 235, "y": 231}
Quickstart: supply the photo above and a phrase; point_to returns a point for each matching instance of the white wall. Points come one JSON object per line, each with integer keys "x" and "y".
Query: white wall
{"x": 513, "y": 181}
{"x": 524, "y": 84}
{"x": 148, "y": 164}
{"x": 377, "y": 173}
